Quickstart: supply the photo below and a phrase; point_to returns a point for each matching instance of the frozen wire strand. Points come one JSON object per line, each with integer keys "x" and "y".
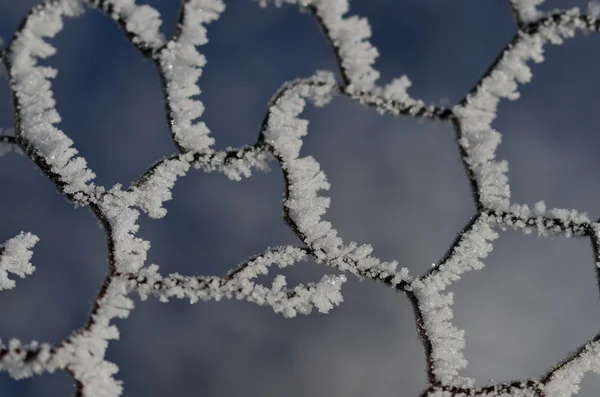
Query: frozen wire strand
{"x": 26, "y": 360}
{"x": 35, "y": 114}
{"x": 519, "y": 388}
{"x": 159, "y": 53}
{"x": 451, "y": 249}
{"x": 81, "y": 354}
{"x": 89, "y": 343}
{"x": 22, "y": 361}
{"x": 365, "y": 93}
{"x": 300, "y": 252}
{"x": 282, "y": 132}
{"x": 174, "y": 58}
{"x": 354, "y": 56}
{"x": 564, "y": 378}
{"x": 128, "y": 252}
{"x": 473, "y": 244}
{"x": 386, "y": 105}
{"x": 153, "y": 188}
{"x": 237, "y": 283}
{"x": 444, "y": 342}
{"x": 544, "y": 225}
{"x": 474, "y": 114}
{"x": 141, "y": 24}
{"x": 552, "y": 22}
{"x": 350, "y": 38}
{"x": 180, "y": 66}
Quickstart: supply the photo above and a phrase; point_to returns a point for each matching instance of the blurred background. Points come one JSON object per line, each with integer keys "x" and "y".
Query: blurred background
{"x": 397, "y": 184}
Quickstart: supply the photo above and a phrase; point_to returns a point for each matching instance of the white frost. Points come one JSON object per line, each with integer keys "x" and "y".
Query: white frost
{"x": 32, "y": 87}
{"x": 181, "y": 66}
{"x": 323, "y": 295}
{"x": 15, "y": 255}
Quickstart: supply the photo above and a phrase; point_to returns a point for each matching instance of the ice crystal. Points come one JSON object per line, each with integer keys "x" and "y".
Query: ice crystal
{"x": 15, "y": 255}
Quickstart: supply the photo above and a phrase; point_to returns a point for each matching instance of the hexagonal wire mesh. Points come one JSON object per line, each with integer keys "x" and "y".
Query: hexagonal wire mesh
{"x": 179, "y": 65}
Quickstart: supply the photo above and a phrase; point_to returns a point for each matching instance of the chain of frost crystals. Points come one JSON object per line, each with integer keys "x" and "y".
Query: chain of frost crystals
{"x": 31, "y": 85}
{"x": 16, "y": 359}
{"x": 526, "y": 10}
{"x": 83, "y": 353}
{"x": 142, "y": 22}
{"x": 180, "y": 62}
{"x": 349, "y": 37}
{"x": 447, "y": 341}
{"x": 514, "y": 389}
{"x": 547, "y": 223}
{"x": 304, "y": 179}
{"x": 301, "y": 299}
{"x": 476, "y": 113}
{"x": 565, "y": 381}
{"x": 181, "y": 66}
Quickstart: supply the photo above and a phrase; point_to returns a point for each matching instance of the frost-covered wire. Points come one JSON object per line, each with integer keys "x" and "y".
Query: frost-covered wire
{"x": 181, "y": 65}
{"x": 355, "y": 57}
{"x": 446, "y": 341}
{"x": 238, "y": 284}
{"x": 303, "y": 206}
{"x": 140, "y": 22}
{"x": 36, "y": 113}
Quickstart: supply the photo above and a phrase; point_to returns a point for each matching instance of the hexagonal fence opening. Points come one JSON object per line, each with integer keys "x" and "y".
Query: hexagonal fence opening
{"x": 392, "y": 180}
{"x": 534, "y": 302}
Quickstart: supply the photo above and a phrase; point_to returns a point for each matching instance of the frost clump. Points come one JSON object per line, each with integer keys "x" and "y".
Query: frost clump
{"x": 15, "y": 255}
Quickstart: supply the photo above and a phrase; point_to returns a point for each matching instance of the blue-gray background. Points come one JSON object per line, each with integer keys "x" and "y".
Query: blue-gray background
{"x": 397, "y": 184}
